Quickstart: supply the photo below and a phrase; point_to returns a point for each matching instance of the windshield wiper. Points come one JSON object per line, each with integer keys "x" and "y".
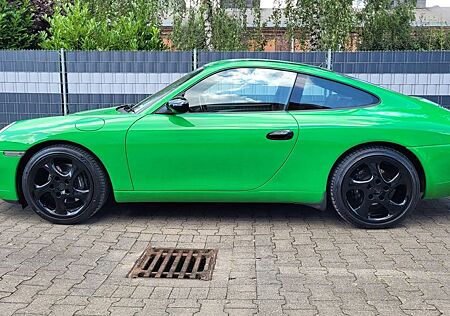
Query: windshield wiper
{"x": 125, "y": 108}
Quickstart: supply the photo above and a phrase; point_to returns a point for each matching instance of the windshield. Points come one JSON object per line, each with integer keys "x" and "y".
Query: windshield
{"x": 147, "y": 102}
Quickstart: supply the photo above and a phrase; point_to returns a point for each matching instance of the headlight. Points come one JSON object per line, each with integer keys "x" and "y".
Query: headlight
{"x": 6, "y": 127}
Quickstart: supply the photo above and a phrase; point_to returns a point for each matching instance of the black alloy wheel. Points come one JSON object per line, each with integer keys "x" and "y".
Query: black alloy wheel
{"x": 64, "y": 184}
{"x": 375, "y": 187}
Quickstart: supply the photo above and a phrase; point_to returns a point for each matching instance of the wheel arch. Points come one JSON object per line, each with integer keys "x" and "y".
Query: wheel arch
{"x": 37, "y": 147}
{"x": 405, "y": 151}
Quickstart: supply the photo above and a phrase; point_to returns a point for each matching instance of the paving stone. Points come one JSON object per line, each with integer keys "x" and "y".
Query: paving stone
{"x": 10, "y": 308}
{"x": 65, "y": 310}
{"x": 97, "y": 306}
{"x": 273, "y": 260}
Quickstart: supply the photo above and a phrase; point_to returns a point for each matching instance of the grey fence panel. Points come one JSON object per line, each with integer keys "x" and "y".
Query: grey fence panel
{"x": 29, "y": 85}
{"x": 424, "y": 74}
{"x": 30, "y": 81}
{"x": 392, "y": 62}
{"x": 104, "y": 79}
{"x": 311, "y": 58}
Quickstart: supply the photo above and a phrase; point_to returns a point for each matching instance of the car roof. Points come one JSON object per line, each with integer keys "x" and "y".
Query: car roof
{"x": 225, "y": 62}
{"x": 299, "y": 67}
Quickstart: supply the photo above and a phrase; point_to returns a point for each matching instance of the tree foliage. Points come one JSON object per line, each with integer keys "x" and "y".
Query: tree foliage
{"x": 206, "y": 25}
{"x": 387, "y": 27}
{"x": 257, "y": 37}
{"x": 319, "y": 24}
{"x": 431, "y": 38}
{"x": 149, "y": 10}
{"x": 215, "y": 25}
{"x": 188, "y": 30}
{"x": 337, "y": 22}
{"x": 75, "y": 27}
{"x": 41, "y": 9}
{"x": 16, "y": 25}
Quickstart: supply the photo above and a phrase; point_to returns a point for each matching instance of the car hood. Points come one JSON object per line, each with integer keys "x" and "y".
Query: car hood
{"x": 96, "y": 117}
{"x": 64, "y": 127}
{"x": 100, "y": 112}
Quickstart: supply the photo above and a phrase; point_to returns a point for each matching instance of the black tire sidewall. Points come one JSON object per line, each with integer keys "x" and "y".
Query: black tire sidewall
{"x": 90, "y": 164}
{"x": 353, "y": 158}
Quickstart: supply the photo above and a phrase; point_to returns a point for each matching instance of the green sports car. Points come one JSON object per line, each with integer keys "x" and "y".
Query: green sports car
{"x": 237, "y": 131}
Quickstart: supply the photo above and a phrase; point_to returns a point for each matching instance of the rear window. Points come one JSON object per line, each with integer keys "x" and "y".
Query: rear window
{"x": 312, "y": 92}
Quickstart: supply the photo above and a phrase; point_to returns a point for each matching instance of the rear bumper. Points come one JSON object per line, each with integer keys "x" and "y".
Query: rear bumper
{"x": 8, "y": 171}
{"x": 436, "y": 164}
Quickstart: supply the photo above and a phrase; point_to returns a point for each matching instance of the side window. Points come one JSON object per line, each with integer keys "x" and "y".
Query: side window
{"x": 242, "y": 90}
{"x": 312, "y": 92}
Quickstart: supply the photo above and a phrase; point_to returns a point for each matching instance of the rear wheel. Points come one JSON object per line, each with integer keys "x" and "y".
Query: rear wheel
{"x": 374, "y": 187}
{"x": 64, "y": 184}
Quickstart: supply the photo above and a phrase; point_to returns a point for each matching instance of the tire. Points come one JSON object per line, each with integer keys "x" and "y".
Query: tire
{"x": 374, "y": 187}
{"x": 64, "y": 184}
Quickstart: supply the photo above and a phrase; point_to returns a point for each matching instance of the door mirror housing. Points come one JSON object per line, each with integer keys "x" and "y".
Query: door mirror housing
{"x": 178, "y": 105}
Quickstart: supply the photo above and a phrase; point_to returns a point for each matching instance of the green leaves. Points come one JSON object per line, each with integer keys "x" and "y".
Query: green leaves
{"x": 74, "y": 27}
{"x": 319, "y": 24}
{"x": 228, "y": 28}
{"x": 387, "y": 27}
{"x": 338, "y": 22}
{"x": 16, "y": 22}
{"x": 209, "y": 24}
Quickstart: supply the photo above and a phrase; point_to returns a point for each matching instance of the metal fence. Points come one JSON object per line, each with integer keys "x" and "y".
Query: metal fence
{"x": 44, "y": 83}
{"x": 30, "y": 85}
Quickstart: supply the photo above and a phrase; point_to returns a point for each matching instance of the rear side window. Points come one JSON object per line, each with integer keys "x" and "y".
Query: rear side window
{"x": 312, "y": 92}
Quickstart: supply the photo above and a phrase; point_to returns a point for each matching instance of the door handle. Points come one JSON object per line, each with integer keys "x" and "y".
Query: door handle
{"x": 284, "y": 134}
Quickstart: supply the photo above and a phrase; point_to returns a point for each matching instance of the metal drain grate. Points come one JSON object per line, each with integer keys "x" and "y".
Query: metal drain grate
{"x": 173, "y": 263}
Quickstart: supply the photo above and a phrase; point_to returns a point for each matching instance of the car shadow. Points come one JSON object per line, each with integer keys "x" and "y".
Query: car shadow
{"x": 211, "y": 211}
{"x": 433, "y": 211}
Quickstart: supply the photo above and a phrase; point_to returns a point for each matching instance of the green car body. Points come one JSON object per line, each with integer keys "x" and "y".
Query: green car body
{"x": 225, "y": 157}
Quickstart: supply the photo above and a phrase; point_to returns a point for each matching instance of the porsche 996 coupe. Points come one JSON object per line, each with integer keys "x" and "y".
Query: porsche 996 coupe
{"x": 237, "y": 131}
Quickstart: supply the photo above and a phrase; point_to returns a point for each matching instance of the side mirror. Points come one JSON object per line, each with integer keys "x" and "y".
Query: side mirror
{"x": 178, "y": 105}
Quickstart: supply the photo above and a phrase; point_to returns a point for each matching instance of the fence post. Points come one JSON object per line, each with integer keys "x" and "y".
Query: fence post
{"x": 194, "y": 55}
{"x": 63, "y": 82}
{"x": 329, "y": 60}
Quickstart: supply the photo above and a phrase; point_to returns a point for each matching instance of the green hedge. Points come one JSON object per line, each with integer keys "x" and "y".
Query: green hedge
{"x": 16, "y": 25}
{"x": 74, "y": 27}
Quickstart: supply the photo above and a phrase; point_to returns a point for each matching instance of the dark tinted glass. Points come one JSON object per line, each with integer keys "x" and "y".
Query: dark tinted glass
{"x": 312, "y": 92}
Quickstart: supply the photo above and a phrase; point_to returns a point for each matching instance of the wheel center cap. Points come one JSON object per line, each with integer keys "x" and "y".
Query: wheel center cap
{"x": 61, "y": 187}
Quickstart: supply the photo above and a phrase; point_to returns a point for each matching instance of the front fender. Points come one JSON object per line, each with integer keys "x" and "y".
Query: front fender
{"x": 106, "y": 141}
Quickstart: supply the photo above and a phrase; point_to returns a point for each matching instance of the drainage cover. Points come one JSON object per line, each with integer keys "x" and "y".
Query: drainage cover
{"x": 173, "y": 263}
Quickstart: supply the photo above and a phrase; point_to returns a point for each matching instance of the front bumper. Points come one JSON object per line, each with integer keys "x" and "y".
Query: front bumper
{"x": 436, "y": 164}
{"x": 8, "y": 170}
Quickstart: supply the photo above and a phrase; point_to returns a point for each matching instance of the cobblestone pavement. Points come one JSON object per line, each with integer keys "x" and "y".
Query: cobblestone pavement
{"x": 273, "y": 259}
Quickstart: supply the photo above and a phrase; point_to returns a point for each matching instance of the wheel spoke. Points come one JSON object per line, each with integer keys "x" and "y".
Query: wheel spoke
{"x": 52, "y": 169}
{"x": 60, "y": 205}
{"x": 40, "y": 190}
{"x": 353, "y": 184}
{"x": 374, "y": 168}
{"x": 397, "y": 180}
{"x": 75, "y": 172}
{"x": 80, "y": 194}
{"x": 48, "y": 168}
{"x": 363, "y": 209}
{"x": 394, "y": 208}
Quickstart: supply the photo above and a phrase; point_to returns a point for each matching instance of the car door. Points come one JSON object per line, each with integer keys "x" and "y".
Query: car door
{"x": 235, "y": 136}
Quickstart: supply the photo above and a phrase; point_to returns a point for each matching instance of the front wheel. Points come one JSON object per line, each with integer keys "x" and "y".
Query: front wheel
{"x": 374, "y": 187}
{"x": 64, "y": 184}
